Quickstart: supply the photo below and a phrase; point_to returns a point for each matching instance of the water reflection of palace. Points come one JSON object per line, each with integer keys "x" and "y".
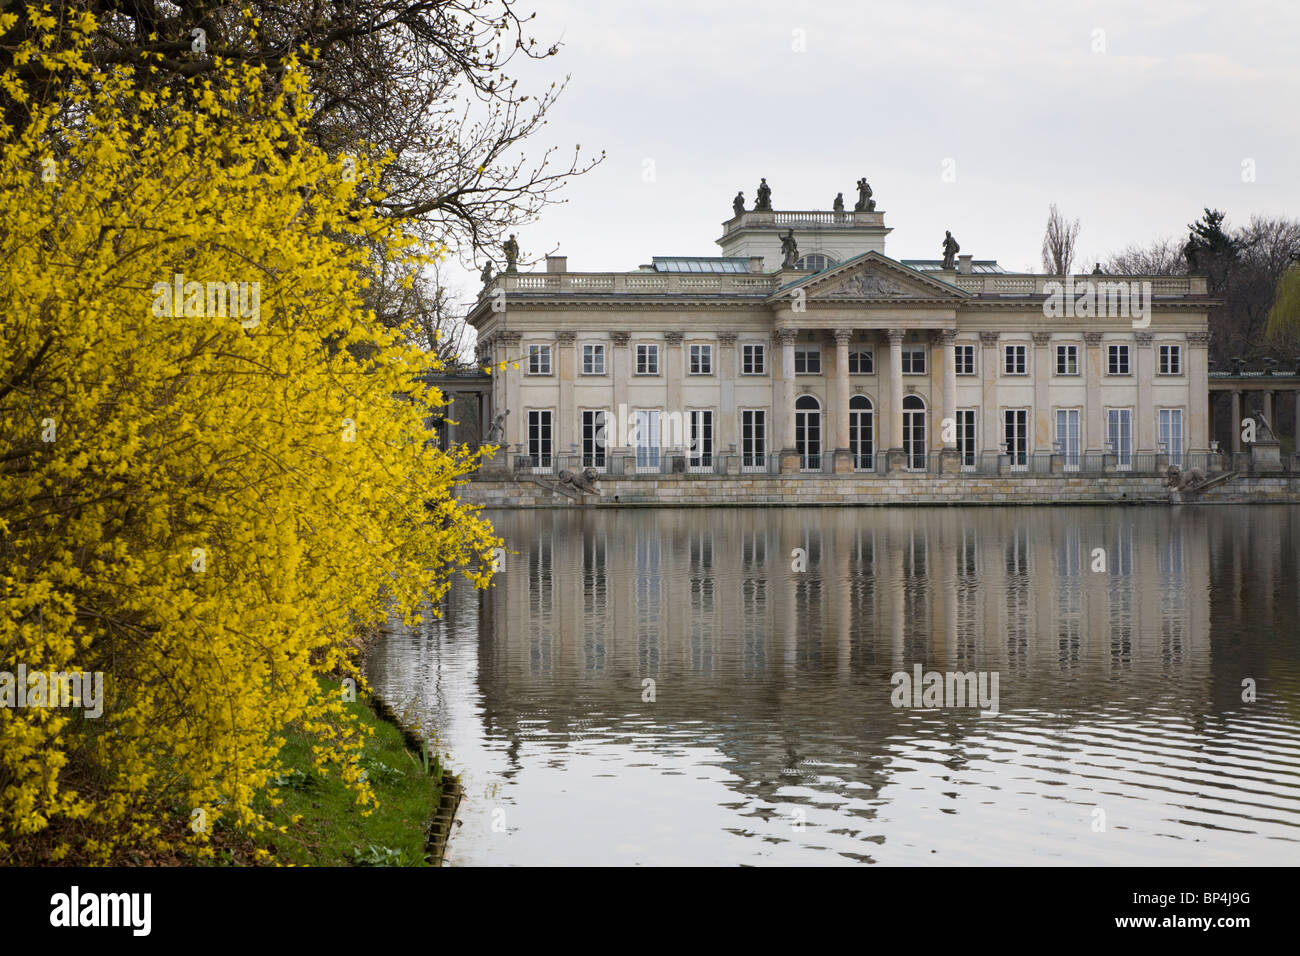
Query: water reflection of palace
{"x": 600, "y": 600}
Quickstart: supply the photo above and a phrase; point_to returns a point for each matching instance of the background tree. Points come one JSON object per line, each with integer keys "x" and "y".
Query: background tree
{"x": 1058, "y": 243}
{"x": 1160, "y": 257}
{"x": 426, "y": 81}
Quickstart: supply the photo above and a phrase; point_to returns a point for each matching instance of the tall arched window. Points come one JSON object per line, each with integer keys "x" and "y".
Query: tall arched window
{"x": 808, "y": 432}
{"x": 914, "y": 432}
{"x": 861, "y": 433}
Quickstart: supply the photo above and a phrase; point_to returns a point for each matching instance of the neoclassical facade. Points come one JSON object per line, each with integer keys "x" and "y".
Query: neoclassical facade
{"x": 804, "y": 347}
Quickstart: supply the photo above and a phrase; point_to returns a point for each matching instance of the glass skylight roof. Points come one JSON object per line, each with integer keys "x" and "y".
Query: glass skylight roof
{"x": 712, "y": 264}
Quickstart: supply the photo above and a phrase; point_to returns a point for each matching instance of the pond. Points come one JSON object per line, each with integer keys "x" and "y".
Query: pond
{"x": 732, "y": 686}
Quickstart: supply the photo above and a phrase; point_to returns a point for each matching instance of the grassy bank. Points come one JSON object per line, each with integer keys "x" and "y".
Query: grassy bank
{"x": 330, "y": 830}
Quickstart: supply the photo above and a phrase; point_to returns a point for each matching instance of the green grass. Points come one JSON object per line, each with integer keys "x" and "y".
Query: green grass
{"x": 332, "y": 831}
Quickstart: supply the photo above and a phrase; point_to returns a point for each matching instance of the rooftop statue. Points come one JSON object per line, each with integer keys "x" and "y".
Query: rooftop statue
{"x": 487, "y": 272}
{"x": 738, "y": 204}
{"x": 838, "y": 205}
{"x": 511, "y": 249}
{"x": 1190, "y": 253}
{"x": 950, "y": 250}
{"x": 764, "y": 201}
{"x": 789, "y": 249}
{"x": 865, "y": 203}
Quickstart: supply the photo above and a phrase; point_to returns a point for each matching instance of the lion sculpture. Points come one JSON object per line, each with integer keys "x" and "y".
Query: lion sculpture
{"x": 583, "y": 481}
{"x": 1180, "y": 480}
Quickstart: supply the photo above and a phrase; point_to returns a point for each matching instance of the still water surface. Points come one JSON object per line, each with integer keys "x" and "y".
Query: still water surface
{"x": 772, "y": 737}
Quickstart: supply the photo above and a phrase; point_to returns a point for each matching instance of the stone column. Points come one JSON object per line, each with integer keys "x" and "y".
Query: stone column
{"x": 1094, "y": 423}
{"x": 1236, "y": 421}
{"x": 1144, "y": 364}
{"x": 843, "y": 463}
{"x": 1042, "y": 401}
{"x": 989, "y": 365}
{"x": 1199, "y": 396}
{"x": 895, "y": 423}
{"x": 948, "y": 344}
{"x": 673, "y": 382}
{"x": 620, "y": 372}
{"x": 785, "y": 400}
{"x": 566, "y": 429}
{"x": 1268, "y": 408}
{"x": 727, "y": 430}
{"x": 517, "y": 421}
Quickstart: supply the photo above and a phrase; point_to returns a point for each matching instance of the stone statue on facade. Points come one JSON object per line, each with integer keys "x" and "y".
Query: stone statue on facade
{"x": 763, "y": 203}
{"x": 738, "y": 204}
{"x": 511, "y": 249}
{"x": 865, "y": 203}
{"x": 1097, "y": 271}
{"x": 789, "y": 250}
{"x": 584, "y": 481}
{"x": 838, "y": 205}
{"x": 487, "y": 272}
{"x": 950, "y": 250}
{"x": 1190, "y": 252}
{"x": 497, "y": 430}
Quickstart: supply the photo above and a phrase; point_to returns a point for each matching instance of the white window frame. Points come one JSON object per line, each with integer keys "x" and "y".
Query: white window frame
{"x": 1169, "y": 359}
{"x": 699, "y": 359}
{"x": 701, "y": 460}
{"x": 1019, "y": 430}
{"x": 871, "y": 361}
{"x": 909, "y": 354}
{"x": 591, "y": 351}
{"x": 594, "y": 448}
{"x": 1070, "y": 456}
{"x": 541, "y": 462}
{"x": 1115, "y": 351}
{"x": 1019, "y": 349}
{"x": 1165, "y": 418}
{"x": 972, "y": 425}
{"x": 647, "y": 355}
{"x": 1119, "y": 424}
{"x": 537, "y": 351}
{"x": 965, "y": 350}
{"x": 807, "y": 352}
{"x": 755, "y": 355}
{"x": 648, "y": 423}
{"x": 1070, "y": 351}
{"x": 757, "y": 438}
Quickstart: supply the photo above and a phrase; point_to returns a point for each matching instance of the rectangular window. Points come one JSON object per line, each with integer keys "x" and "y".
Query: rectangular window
{"x": 539, "y": 438}
{"x": 965, "y": 359}
{"x": 1014, "y": 361}
{"x": 966, "y": 436}
{"x": 645, "y": 438}
{"x": 1067, "y": 360}
{"x": 539, "y": 360}
{"x": 1015, "y": 432}
{"x": 701, "y": 359}
{"x": 1067, "y": 437}
{"x": 699, "y": 437}
{"x": 862, "y": 363}
{"x": 914, "y": 359}
{"x": 647, "y": 360}
{"x": 1171, "y": 360}
{"x": 807, "y": 361}
{"x": 593, "y": 439}
{"x": 1119, "y": 436}
{"x": 1171, "y": 434}
{"x": 753, "y": 438}
{"x": 593, "y": 360}
{"x": 1117, "y": 360}
{"x": 753, "y": 360}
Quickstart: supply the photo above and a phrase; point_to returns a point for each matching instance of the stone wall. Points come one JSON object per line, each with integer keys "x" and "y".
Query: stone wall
{"x": 801, "y": 490}
{"x": 1279, "y": 489}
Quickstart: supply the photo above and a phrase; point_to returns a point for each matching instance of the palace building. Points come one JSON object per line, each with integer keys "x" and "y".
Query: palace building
{"x": 805, "y": 347}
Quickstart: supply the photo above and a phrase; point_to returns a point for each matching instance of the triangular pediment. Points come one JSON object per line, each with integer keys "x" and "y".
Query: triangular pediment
{"x": 872, "y": 276}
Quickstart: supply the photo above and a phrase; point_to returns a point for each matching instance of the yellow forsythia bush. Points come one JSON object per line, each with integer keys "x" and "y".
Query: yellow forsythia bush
{"x": 213, "y": 459}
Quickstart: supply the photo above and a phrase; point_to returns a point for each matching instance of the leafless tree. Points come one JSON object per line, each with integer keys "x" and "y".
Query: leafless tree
{"x": 1058, "y": 243}
{"x": 1161, "y": 257}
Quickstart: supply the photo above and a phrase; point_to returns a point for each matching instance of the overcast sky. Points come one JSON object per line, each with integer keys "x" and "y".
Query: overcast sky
{"x": 1133, "y": 140}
